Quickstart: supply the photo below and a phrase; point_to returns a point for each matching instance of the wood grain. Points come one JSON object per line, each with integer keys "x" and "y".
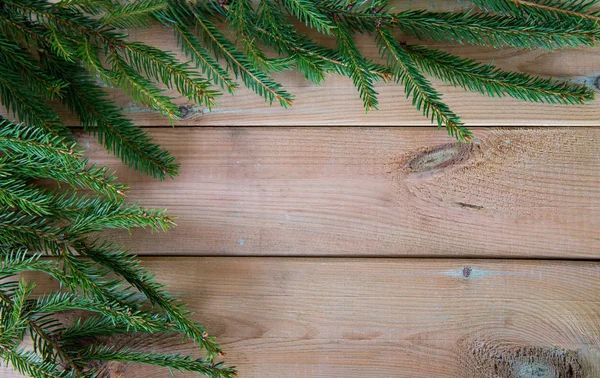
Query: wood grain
{"x": 373, "y": 192}
{"x": 336, "y": 102}
{"x": 387, "y": 318}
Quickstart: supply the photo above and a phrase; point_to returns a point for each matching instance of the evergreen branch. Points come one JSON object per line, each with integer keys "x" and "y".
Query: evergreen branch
{"x": 275, "y": 31}
{"x": 20, "y": 60}
{"x": 493, "y": 30}
{"x": 27, "y": 362}
{"x": 304, "y": 10}
{"x": 171, "y": 361}
{"x": 113, "y": 215}
{"x": 194, "y": 50}
{"x": 474, "y": 28}
{"x": 87, "y": 6}
{"x": 35, "y": 142}
{"x": 32, "y": 200}
{"x": 101, "y": 116}
{"x": 96, "y": 326}
{"x": 34, "y": 153}
{"x": 141, "y": 89}
{"x": 241, "y": 18}
{"x": 18, "y": 98}
{"x": 357, "y": 66}
{"x": 133, "y": 320}
{"x": 164, "y": 67}
{"x": 253, "y": 79}
{"x": 489, "y": 80}
{"x": 133, "y": 15}
{"x": 332, "y": 59}
{"x": 424, "y": 96}
{"x": 128, "y": 267}
{"x": 573, "y": 11}
{"x": 24, "y": 361}
{"x": 20, "y": 230}
{"x": 17, "y": 261}
{"x": 93, "y": 281}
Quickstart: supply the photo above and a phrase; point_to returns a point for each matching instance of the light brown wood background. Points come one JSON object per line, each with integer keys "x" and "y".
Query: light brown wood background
{"x": 382, "y": 251}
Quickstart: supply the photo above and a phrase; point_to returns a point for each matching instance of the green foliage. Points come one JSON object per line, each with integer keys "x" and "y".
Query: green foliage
{"x": 99, "y": 279}
{"x": 66, "y": 51}
{"x": 266, "y": 28}
{"x": 84, "y": 40}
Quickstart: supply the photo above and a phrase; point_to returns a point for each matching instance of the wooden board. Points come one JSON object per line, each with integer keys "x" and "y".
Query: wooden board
{"x": 336, "y": 102}
{"x": 388, "y": 318}
{"x": 373, "y": 192}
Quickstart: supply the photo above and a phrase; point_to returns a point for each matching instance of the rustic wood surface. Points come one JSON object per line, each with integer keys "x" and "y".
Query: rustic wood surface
{"x": 373, "y": 192}
{"x": 282, "y": 317}
{"x": 336, "y": 101}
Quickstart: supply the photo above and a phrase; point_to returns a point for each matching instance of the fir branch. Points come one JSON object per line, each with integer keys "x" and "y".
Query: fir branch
{"x": 357, "y": 66}
{"x": 171, "y": 361}
{"x": 29, "y": 363}
{"x": 489, "y": 80}
{"x": 101, "y": 116}
{"x": 306, "y": 12}
{"x": 96, "y": 326}
{"x": 469, "y": 27}
{"x": 128, "y": 267}
{"x": 237, "y": 62}
{"x": 133, "y": 320}
{"x": 192, "y": 47}
{"x": 164, "y": 67}
{"x": 18, "y": 98}
{"x": 424, "y": 96}
{"x": 570, "y": 11}
{"x": 242, "y": 19}
{"x": 20, "y": 60}
{"x": 133, "y": 15}
{"x": 141, "y": 89}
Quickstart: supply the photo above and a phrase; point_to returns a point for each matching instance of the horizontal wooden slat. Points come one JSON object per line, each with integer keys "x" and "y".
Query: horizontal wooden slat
{"x": 374, "y": 191}
{"x": 388, "y": 318}
{"x": 336, "y": 102}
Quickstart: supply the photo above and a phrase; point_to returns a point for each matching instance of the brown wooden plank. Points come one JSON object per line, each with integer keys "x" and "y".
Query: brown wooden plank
{"x": 336, "y": 102}
{"x": 388, "y": 318}
{"x": 374, "y": 191}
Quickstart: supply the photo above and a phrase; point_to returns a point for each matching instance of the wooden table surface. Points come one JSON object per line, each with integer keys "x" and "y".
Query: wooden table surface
{"x": 383, "y": 250}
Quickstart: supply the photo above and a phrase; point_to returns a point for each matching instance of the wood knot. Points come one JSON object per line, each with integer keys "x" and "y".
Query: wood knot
{"x": 184, "y": 111}
{"x": 440, "y": 157}
{"x": 597, "y": 83}
{"x": 467, "y": 271}
{"x": 494, "y": 359}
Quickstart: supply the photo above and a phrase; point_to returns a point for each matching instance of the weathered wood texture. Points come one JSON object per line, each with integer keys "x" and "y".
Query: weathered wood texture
{"x": 388, "y": 318}
{"x": 374, "y": 192}
{"x": 336, "y": 102}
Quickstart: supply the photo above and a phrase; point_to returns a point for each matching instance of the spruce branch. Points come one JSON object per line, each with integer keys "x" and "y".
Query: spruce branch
{"x": 171, "y": 361}
{"x": 193, "y": 48}
{"x": 237, "y": 62}
{"x": 573, "y": 11}
{"x": 424, "y": 96}
{"x": 83, "y": 32}
{"x": 489, "y": 80}
{"x": 110, "y": 287}
{"x": 357, "y": 66}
